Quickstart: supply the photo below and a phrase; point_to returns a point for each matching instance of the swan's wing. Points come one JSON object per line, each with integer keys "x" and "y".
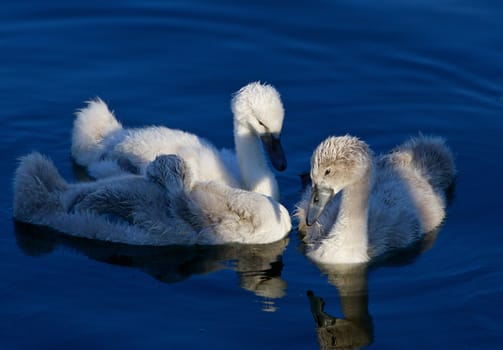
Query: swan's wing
{"x": 394, "y": 219}
{"x": 108, "y": 202}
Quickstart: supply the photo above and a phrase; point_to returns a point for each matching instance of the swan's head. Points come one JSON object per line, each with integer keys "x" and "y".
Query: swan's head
{"x": 169, "y": 171}
{"x": 258, "y": 108}
{"x": 336, "y": 163}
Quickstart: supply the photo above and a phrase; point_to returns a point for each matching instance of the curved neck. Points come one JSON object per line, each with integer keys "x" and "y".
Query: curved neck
{"x": 255, "y": 173}
{"x": 350, "y": 229}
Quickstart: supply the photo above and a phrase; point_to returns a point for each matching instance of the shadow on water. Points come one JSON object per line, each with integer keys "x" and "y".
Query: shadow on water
{"x": 259, "y": 267}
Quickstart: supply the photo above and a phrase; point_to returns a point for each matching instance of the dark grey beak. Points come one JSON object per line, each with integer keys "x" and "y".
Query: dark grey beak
{"x": 320, "y": 197}
{"x": 273, "y": 147}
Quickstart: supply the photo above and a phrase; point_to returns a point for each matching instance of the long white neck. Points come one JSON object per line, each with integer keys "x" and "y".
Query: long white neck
{"x": 255, "y": 173}
{"x": 350, "y": 229}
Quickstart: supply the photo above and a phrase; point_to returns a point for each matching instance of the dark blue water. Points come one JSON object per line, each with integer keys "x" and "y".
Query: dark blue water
{"x": 381, "y": 70}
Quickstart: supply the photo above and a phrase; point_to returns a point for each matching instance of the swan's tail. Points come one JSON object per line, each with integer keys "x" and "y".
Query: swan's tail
{"x": 431, "y": 156}
{"x": 92, "y": 125}
{"x": 37, "y": 185}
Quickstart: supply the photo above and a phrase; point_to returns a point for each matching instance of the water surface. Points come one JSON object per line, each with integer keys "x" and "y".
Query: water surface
{"x": 383, "y": 71}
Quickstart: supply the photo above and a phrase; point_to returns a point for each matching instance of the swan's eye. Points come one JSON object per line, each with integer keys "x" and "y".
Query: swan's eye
{"x": 327, "y": 172}
{"x": 261, "y": 124}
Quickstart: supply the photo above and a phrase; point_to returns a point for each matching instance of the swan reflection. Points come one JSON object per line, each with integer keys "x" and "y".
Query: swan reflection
{"x": 258, "y": 267}
{"x": 354, "y": 329}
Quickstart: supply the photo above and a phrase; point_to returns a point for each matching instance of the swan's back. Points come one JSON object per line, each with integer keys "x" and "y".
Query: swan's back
{"x": 100, "y": 143}
{"x": 141, "y": 146}
{"x": 408, "y": 198}
{"x": 159, "y": 208}
{"x": 431, "y": 157}
{"x": 125, "y": 209}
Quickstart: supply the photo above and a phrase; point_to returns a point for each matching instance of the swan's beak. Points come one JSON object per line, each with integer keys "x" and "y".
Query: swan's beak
{"x": 320, "y": 197}
{"x": 273, "y": 147}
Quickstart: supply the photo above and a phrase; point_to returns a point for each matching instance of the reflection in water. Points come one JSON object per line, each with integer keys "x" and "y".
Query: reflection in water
{"x": 355, "y": 329}
{"x": 259, "y": 267}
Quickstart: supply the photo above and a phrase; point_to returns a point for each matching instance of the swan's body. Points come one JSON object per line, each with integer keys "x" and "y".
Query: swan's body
{"x": 161, "y": 208}
{"x": 101, "y": 144}
{"x": 385, "y": 203}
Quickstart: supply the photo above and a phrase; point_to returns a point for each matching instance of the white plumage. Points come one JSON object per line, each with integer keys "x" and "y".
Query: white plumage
{"x": 161, "y": 208}
{"x": 100, "y": 143}
{"x": 385, "y": 203}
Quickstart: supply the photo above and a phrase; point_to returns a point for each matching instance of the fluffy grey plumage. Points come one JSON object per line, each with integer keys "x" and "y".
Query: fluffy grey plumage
{"x": 385, "y": 203}
{"x": 158, "y": 209}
